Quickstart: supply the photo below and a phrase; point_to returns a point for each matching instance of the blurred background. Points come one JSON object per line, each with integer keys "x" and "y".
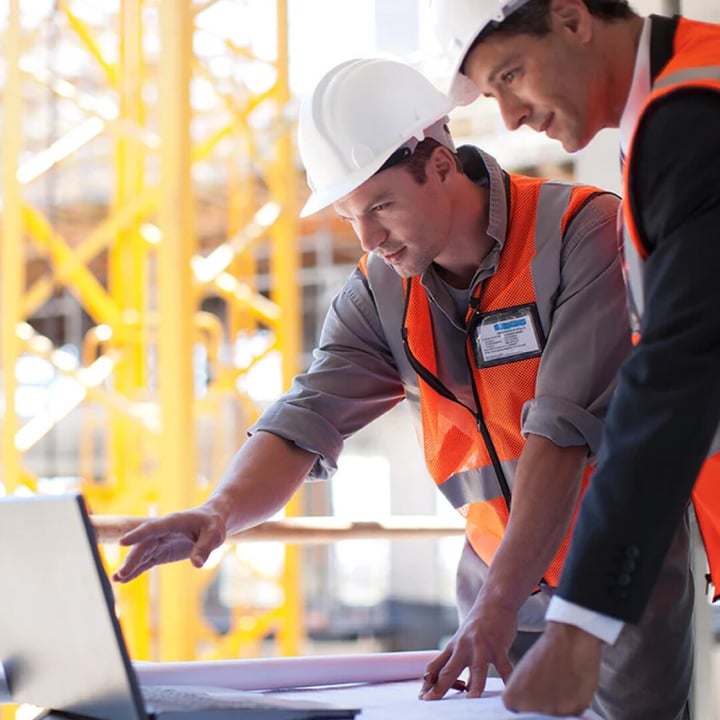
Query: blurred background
{"x": 158, "y": 291}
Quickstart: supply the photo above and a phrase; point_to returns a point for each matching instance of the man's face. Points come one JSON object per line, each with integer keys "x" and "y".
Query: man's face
{"x": 549, "y": 83}
{"x": 406, "y": 223}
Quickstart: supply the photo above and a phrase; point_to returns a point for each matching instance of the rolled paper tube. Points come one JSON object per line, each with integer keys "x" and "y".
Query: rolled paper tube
{"x": 294, "y": 672}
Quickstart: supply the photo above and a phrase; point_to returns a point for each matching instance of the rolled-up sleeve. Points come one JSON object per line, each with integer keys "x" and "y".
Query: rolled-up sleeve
{"x": 589, "y": 335}
{"x": 352, "y": 380}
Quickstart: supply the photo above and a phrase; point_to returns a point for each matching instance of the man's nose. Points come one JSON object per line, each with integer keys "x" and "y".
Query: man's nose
{"x": 514, "y": 111}
{"x": 370, "y": 233}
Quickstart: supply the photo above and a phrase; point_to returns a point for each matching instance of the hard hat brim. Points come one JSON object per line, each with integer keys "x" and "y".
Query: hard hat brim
{"x": 322, "y": 199}
{"x": 462, "y": 91}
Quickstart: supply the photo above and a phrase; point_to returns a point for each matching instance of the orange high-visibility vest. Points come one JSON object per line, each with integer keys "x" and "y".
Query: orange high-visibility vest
{"x": 457, "y": 439}
{"x": 695, "y": 64}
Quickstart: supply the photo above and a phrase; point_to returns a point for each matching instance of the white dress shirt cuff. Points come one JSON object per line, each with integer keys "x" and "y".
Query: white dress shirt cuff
{"x": 601, "y": 626}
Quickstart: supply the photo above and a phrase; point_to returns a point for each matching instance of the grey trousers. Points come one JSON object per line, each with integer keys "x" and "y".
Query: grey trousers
{"x": 646, "y": 674}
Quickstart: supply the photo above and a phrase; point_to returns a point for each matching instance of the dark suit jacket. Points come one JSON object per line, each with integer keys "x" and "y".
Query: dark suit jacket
{"x": 667, "y": 405}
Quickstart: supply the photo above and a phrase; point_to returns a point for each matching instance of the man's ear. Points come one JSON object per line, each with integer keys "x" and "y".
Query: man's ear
{"x": 571, "y": 16}
{"x": 442, "y": 163}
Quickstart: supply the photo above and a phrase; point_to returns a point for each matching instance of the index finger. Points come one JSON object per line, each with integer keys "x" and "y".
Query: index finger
{"x": 139, "y": 560}
{"x": 431, "y": 671}
{"x": 445, "y": 679}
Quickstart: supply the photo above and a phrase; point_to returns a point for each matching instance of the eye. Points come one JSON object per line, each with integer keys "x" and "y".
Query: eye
{"x": 380, "y": 207}
{"x": 510, "y": 76}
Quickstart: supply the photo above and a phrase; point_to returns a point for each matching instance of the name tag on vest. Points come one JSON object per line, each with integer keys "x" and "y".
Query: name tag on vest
{"x": 507, "y": 335}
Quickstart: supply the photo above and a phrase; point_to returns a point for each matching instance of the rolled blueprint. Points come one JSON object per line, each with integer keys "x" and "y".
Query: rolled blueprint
{"x": 295, "y": 672}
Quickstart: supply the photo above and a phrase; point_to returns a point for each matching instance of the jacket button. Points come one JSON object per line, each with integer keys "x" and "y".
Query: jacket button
{"x": 623, "y": 579}
{"x": 621, "y": 593}
{"x": 632, "y": 551}
{"x": 628, "y": 565}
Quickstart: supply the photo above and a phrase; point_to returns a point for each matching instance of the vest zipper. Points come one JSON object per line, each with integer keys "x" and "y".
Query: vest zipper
{"x": 480, "y": 418}
{"x": 438, "y": 387}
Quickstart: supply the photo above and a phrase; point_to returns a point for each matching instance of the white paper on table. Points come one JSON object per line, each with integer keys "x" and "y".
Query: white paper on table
{"x": 399, "y": 701}
{"x": 295, "y": 672}
{"x": 384, "y": 685}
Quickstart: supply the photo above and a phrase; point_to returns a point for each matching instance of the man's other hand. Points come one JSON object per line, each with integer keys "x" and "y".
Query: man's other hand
{"x": 558, "y": 675}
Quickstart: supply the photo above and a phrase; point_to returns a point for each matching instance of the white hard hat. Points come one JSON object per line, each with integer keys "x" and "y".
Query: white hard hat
{"x": 457, "y": 24}
{"x": 359, "y": 114}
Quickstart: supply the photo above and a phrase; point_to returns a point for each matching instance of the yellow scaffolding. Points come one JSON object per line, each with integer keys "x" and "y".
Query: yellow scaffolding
{"x": 135, "y": 380}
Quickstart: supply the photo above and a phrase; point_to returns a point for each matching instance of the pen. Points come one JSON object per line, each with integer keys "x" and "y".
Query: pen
{"x": 457, "y": 685}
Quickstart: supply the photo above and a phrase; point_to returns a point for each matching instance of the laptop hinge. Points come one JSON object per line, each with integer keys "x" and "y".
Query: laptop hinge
{"x": 5, "y": 696}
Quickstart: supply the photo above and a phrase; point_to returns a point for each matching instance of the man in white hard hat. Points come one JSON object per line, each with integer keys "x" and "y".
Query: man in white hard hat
{"x": 570, "y": 68}
{"x": 494, "y": 304}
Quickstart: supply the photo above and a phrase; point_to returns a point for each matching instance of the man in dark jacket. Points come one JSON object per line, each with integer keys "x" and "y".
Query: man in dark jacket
{"x": 570, "y": 68}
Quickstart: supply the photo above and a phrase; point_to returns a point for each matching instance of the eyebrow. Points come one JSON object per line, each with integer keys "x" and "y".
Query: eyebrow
{"x": 381, "y": 197}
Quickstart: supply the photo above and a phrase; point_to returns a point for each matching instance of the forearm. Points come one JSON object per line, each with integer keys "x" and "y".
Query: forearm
{"x": 545, "y": 491}
{"x": 259, "y": 481}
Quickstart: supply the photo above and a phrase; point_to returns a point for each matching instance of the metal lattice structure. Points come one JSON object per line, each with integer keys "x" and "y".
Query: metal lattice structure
{"x": 174, "y": 136}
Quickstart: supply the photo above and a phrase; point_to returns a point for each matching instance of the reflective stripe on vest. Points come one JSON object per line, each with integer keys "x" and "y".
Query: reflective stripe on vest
{"x": 472, "y": 453}
{"x": 695, "y": 64}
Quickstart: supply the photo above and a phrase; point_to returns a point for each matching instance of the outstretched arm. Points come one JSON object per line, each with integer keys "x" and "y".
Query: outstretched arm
{"x": 352, "y": 381}
{"x": 259, "y": 481}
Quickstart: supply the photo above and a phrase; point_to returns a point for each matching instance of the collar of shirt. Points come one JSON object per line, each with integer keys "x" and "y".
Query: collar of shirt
{"x": 497, "y": 200}
{"x": 639, "y": 89}
{"x": 454, "y": 302}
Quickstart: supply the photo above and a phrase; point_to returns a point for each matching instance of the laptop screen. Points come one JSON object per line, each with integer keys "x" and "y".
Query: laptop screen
{"x": 61, "y": 646}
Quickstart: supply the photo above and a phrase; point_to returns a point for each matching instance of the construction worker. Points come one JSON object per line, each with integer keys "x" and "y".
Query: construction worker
{"x": 570, "y": 68}
{"x": 493, "y": 303}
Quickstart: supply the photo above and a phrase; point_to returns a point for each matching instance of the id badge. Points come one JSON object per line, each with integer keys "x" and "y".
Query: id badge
{"x": 507, "y": 335}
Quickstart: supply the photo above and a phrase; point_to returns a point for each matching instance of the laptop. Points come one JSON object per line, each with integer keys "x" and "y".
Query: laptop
{"x": 61, "y": 644}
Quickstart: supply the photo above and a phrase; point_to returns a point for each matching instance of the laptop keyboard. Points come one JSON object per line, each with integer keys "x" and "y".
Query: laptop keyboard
{"x": 166, "y": 698}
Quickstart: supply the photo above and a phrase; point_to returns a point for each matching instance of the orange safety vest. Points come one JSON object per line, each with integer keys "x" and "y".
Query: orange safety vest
{"x": 456, "y": 438}
{"x": 695, "y": 64}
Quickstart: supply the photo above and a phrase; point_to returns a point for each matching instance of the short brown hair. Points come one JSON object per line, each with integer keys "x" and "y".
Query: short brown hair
{"x": 415, "y": 162}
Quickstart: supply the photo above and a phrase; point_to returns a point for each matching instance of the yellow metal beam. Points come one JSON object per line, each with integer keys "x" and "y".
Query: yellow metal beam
{"x": 128, "y": 259}
{"x": 86, "y": 36}
{"x": 97, "y": 240}
{"x": 12, "y": 270}
{"x": 68, "y": 270}
{"x": 177, "y": 462}
{"x": 147, "y": 321}
{"x": 11, "y": 259}
{"x": 286, "y": 294}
